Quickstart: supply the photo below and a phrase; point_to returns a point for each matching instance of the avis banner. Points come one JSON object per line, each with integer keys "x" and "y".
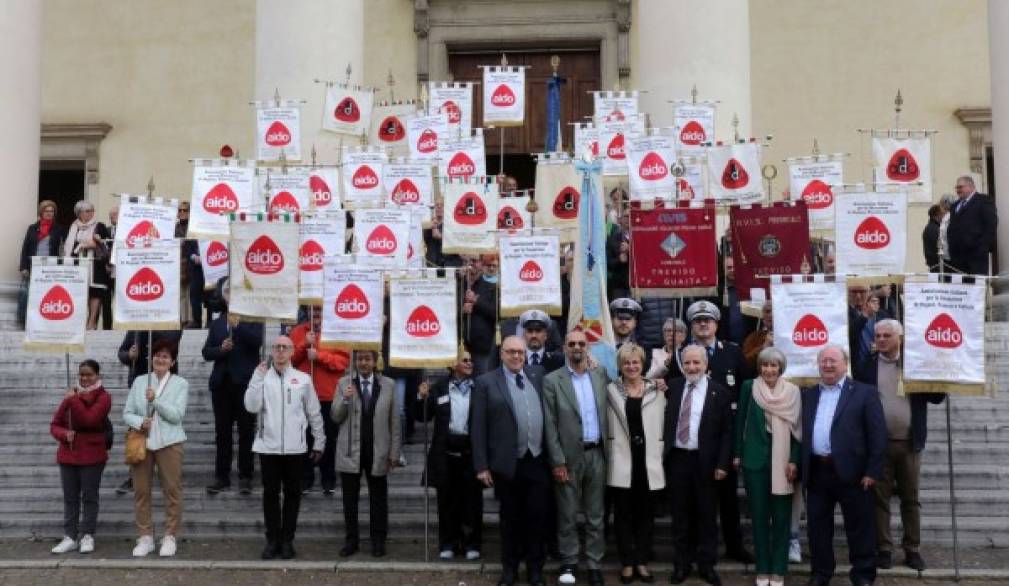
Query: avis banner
{"x": 907, "y": 161}
{"x": 423, "y": 329}
{"x": 615, "y": 105}
{"x": 871, "y": 232}
{"x": 649, "y": 157}
{"x": 512, "y": 213}
{"x": 673, "y": 251}
{"x": 348, "y": 109}
{"x": 558, "y": 197}
{"x": 530, "y": 274}
{"x": 362, "y": 177}
{"x": 613, "y": 136}
{"x": 454, "y": 100}
{"x": 147, "y": 287}
{"x": 768, "y": 240}
{"x": 388, "y": 127}
{"x": 278, "y": 129}
{"x": 324, "y": 185}
{"x": 219, "y": 189}
{"x": 695, "y": 123}
{"x": 382, "y": 236}
{"x": 144, "y": 220}
{"x": 215, "y": 260}
{"x": 289, "y": 190}
{"x": 57, "y": 304}
{"x": 734, "y": 174}
{"x": 944, "y": 336}
{"x": 352, "y": 306}
{"x": 323, "y": 234}
{"x": 807, "y": 316}
{"x": 813, "y": 180}
{"x": 424, "y": 134}
{"x": 469, "y": 221}
{"x": 264, "y": 268}
{"x": 504, "y": 91}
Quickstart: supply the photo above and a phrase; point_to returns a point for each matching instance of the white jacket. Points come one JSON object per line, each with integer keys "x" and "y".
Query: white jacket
{"x": 284, "y": 408}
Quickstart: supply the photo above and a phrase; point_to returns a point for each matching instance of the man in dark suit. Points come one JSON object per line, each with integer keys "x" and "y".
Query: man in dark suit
{"x": 844, "y": 439}
{"x": 971, "y": 232}
{"x": 509, "y": 454}
{"x": 698, "y": 449}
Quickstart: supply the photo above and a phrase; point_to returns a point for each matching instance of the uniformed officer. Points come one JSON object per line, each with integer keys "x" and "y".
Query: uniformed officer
{"x": 624, "y": 312}
{"x": 534, "y": 326}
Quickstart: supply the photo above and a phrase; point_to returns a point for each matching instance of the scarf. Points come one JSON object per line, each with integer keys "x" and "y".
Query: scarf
{"x": 44, "y": 227}
{"x": 783, "y": 412}
{"x": 94, "y": 387}
{"x": 79, "y": 232}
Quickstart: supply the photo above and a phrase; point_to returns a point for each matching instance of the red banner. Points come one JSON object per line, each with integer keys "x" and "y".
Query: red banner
{"x": 772, "y": 240}
{"x": 673, "y": 250}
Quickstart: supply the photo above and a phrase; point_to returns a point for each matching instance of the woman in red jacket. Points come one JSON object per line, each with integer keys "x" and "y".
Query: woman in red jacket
{"x": 79, "y": 427}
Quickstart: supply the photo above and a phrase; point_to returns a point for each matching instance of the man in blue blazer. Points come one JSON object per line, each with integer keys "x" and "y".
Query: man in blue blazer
{"x": 844, "y": 439}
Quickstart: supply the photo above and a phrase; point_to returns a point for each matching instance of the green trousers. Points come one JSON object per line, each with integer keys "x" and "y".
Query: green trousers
{"x": 772, "y": 519}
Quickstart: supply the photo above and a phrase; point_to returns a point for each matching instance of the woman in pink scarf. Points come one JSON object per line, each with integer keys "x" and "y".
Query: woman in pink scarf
{"x": 88, "y": 238}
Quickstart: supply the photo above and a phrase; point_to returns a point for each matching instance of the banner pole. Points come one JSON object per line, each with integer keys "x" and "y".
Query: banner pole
{"x": 949, "y": 464}
{"x": 427, "y": 481}
{"x": 66, "y": 357}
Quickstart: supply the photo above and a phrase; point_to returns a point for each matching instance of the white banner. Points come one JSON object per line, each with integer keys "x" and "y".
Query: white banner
{"x": 454, "y": 100}
{"x": 423, "y": 329}
{"x": 462, "y": 157}
{"x": 504, "y": 96}
{"x": 469, "y": 219}
{"x": 322, "y": 234}
{"x": 324, "y": 185}
{"x": 944, "y": 332}
{"x": 530, "y": 274}
{"x": 57, "y": 312}
{"x": 512, "y": 213}
{"x": 691, "y": 183}
{"x": 558, "y": 196}
{"x": 408, "y": 183}
{"x": 808, "y": 316}
{"x": 352, "y": 314}
{"x": 382, "y": 236}
{"x": 907, "y": 161}
{"x": 613, "y": 136}
{"x": 425, "y": 133}
{"x": 814, "y": 181}
{"x": 695, "y": 124}
{"x": 143, "y": 221}
{"x": 648, "y": 162}
{"x": 416, "y": 249}
{"x": 278, "y": 129}
{"x": 362, "y": 178}
{"x": 347, "y": 109}
{"x": 388, "y": 127}
{"x": 734, "y": 173}
{"x": 217, "y": 191}
{"x": 215, "y": 261}
{"x": 289, "y": 192}
{"x": 871, "y": 233}
{"x": 586, "y": 139}
{"x": 264, "y": 269}
{"x": 617, "y": 105}
{"x": 147, "y": 287}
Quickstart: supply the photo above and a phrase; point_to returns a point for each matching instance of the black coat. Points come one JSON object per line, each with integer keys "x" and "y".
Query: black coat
{"x": 57, "y": 234}
{"x": 439, "y": 409}
{"x": 493, "y": 428}
{"x": 714, "y": 437}
{"x": 867, "y": 372}
{"x": 727, "y": 366}
{"x": 480, "y": 332}
{"x": 971, "y": 234}
{"x": 237, "y": 364}
{"x": 930, "y": 243}
{"x": 139, "y": 366}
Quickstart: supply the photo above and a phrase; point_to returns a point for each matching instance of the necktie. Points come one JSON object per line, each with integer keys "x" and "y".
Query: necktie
{"x": 683, "y": 424}
{"x": 518, "y": 381}
{"x": 535, "y": 359}
{"x": 366, "y": 392}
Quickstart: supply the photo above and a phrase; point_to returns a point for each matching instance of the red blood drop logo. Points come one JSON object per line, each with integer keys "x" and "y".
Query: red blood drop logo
{"x": 686, "y": 191}
{"x": 352, "y": 303}
{"x": 615, "y": 150}
{"x": 347, "y": 110}
{"x": 734, "y": 176}
{"x": 652, "y": 167}
{"x": 220, "y": 199}
{"x": 818, "y": 195}
{"x": 902, "y": 166}
{"x": 264, "y": 257}
{"x": 409, "y": 252}
{"x": 503, "y": 97}
{"x": 809, "y": 332}
{"x": 470, "y": 211}
{"x": 391, "y": 129}
{"x": 423, "y": 323}
{"x": 381, "y": 241}
{"x": 693, "y": 134}
{"x": 566, "y": 204}
{"x": 453, "y": 111}
{"x": 943, "y": 332}
{"x": 872, "y": 234}
{"x": 284, "y": 202}
{"x": 278, "y": 135}
{"x": 217, "y": 254}
{"x": 427, "y": 142}
{"x": 594, "y": 148}
{"x": 56, "y": 304}
{"x": 311, "y": 256}
{"x": 364, "y": 178}
{"x": 145, "y": 285}
{"x": 509, "y": 218}
{"x": 321, "y": 192}
{"x": 461, "y": 166}
{"x": 531, "y": 272}
{"x": 142, "y": 234}
{"x": 405, "y": 192}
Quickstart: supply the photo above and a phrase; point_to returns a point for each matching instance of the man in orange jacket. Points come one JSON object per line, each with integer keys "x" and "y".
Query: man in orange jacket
{"x": 326, "y": 368}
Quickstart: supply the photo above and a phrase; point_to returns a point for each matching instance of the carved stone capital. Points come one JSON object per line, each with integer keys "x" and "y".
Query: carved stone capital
{"x": 421, "y": 18}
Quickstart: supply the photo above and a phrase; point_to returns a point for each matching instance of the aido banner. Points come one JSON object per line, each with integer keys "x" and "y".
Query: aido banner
{"x": 469, "y": 218}
{"x": 322, "y": 234}
{"x": 278, "y": 129}
{"x": 807, "y": 317}
{"x": 871, "y": 233}
{"x": 673, "y": 251}
{"x": 462, "y": 157}
{"x": 388, "y": 127}
{"x": 214, "y": 259}
{"x": 264, "y": 268}
{"x": 382, "y": 236}
{"x": 586, "y": 139}
{"x": 57, "y": 304}
{"x": 144, "y": 220}
{"x": 289, "y": 190}
{"x": 219, "y": 189}
{"x": 362, "y": 177}
{"x": 944, "y": 336}
{"x": 530, "y": 274}
{"x": 454, "y": 100}
{"x": 408, "y": 183}
{"x": 423, "y": 330}
{"x": 558, "y": 197}
{"x": 648, "y": 160}
{"x": 813, "y": 181}
{"x": 512, "y": 213}
{"x": 613, "y": 137}
{"x": 425, "y": 133}
{"x": 504, "y": 91}
{"x": 734, "y": 174}
{"x": 614, "y": 105}
{"x": 695, "y": 123}
{"x": 352, "y": 306}
{"x": 324, "y": 185}
{"x": 348, "y": 109}
{"x": 907, "y": 161}
{"x": 147, "y": 287}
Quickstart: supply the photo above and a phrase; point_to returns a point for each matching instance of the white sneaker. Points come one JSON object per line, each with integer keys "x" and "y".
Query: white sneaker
{"x": 402, "y": 461}
{"x": 167, "y": 546}
{"x": 87, "y": 544}
{"x": 145, "y": 545}
{"x": 794, "y": 551}
{"x": 446, "y": 554}
{"x": 472, "y": 554}
{"x": 64, "y": 546}
{"x": 567, "y": 577}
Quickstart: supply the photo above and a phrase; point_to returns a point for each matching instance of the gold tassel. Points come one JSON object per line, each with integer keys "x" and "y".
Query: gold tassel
{"x": 379, "y": 363}
{"x": 497, "y": 335}
{"x": 462, "y": 350}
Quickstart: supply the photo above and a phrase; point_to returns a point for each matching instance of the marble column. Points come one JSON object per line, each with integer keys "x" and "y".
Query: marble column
{"x": 998, "y": 47}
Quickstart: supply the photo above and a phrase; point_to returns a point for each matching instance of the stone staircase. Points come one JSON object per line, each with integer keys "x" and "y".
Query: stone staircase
{"x": 31, "y": 500}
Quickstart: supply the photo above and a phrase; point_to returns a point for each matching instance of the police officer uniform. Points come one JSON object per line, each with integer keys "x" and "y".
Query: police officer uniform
{"x": 536, "y": 319}
{"x": 627, "y": 307}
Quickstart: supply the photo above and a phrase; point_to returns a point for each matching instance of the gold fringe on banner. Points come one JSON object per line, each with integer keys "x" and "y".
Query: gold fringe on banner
{"x": 976, "y": 389}
{"x": 143, "y": 325}
{"x": 871, "y": 281}
{"x": 262, "y": 320}
{"x": 424, "y": 363}
{"x": 52, "y": 347}
{"x": 803, "y": 381}
{"x": 675, "y": 293}
{"x": 553, "y": 310}
{"x": 337, "y": 345}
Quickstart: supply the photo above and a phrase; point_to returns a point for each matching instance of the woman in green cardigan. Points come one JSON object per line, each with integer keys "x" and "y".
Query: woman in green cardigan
{"x": 768, "y": 431}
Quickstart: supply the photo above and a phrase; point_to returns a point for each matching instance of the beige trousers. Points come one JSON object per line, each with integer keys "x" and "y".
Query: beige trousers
{"x": 169, "y": 463}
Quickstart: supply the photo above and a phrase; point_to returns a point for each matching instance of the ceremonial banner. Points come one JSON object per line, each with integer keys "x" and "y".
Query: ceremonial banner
{"x": 352, "y": 306}
{"x": 454, "y": 100}
{"x": 512, "y": 213}
{"x": 673, "y": 251}
{"x": 324, "y": 185}
{"x": 215, "y": 260}
{"x": 690, "y": 185}
{"x": 648, "y": 160}
{"x": 57, "y": 304}
{"x": 586, "y": 139}
{"x": 558, "y": 195}
{"x": 382, "y": 236}
{"x": 813, "y": 180}
{"x": 907, "y": 161}
{"x": 613, "y": 136}
{"x": 768, "y": 240}
{"x": 264, "y": 271}
{"x": 423, "y": 330}
{"x": 871, "y": 233}
{"x": 362, "y": 177}
{"x": 424, "y": 134}
{"x": 408, "y": 183}
{"x": 469, "y": 220}
{"x": 278, "y": 129}
{"x": 388, "y": 127}
{"x": 416, "y": 250}
{"x": 290, "y": 191}
{"x": 807, "y": 316}
{"x": 615, "y": 105}
{"x": 944, "y": 336}
{"x": 218, "y": 190}
{"x": 462, "y": 157}
{"x": 696, "y": 124}
{"x": 348, "y": 109}
{"x": 734, "y": 173}
{"x": 143, "y": 221}
{"x": 147, "y": 287}
{"x": 530, "y": 274}
{"x": 322, "y": 234}
{"x": 504, "y": 91}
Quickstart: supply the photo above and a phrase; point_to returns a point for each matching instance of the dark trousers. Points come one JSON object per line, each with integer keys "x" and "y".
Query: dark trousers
{"x": 633, "y": 522}
{"x": 460, "y": 506}
{"x": 825, "y": 491}
{"x": 327, "y": 465}
{"x": 80, "y": 484}
{"x": 523, "y": 511}
{"x": 728, "y": 511}
{"x": 281, "y": 471}
{"x": 378, "y": 500}
{"x": 196, "y": 295}
{"x": 694, "y": 503}
{"x": 229, "y": 410}
{"x": 107, "y": 305}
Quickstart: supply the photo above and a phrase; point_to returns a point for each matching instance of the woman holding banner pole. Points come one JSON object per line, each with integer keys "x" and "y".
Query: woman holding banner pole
{"x": 86, "y": 239}
{"x": 43, "y": 238}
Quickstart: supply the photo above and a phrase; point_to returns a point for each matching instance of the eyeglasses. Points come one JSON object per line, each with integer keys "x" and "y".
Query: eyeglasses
{"x": 577, "y": 344}
{"x": 466, "y": 360}
{"x": 282, "y": 347}
{"x": 513, "y": 352}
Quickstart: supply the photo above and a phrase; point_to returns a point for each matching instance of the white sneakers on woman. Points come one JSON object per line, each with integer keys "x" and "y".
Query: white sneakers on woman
{"x": 68, "y": 544}
{"x": 87, "y": 544}
{"x": 167, "y": 546}
{"x": 145, "y": 545}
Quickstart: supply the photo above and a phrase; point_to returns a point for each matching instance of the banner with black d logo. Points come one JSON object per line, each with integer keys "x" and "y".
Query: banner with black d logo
{"x": 469, "y": 217}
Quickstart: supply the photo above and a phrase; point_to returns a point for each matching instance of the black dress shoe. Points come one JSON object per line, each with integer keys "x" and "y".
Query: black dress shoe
{"x": 218, "y": 486}
{"x": 269, "y": 551}
{"x": 741, "y": 555}
{"x": 125, "y": 487}
{"x": 596, "y": 578}
{"x": 884, "y": 560}
{"x": 709, "y": 575}
{"x": 377, "y": 549}
{"x": 348, "y": 549}
{"x": 507, "y": 577}
{"x": 245, "y": 486}
{"x": 287, "y": 550}
{"x": 814, "y": 581}
{"x": 680, "y": 574}
{"x": 913, "y": 560}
